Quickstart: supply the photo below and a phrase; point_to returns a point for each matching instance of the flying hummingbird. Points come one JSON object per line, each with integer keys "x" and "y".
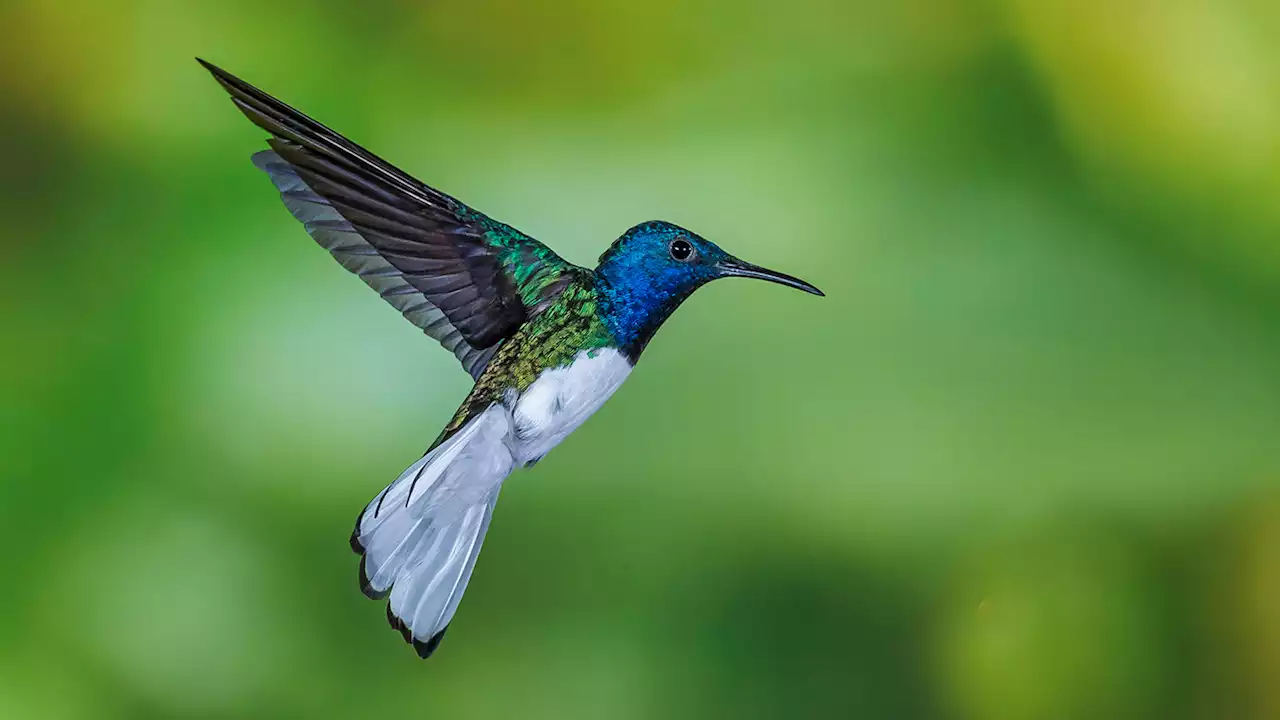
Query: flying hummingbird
{"x": 546, "y": 341}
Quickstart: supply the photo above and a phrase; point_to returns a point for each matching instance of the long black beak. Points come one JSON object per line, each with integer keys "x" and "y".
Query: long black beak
{"x": 733, "y": 267}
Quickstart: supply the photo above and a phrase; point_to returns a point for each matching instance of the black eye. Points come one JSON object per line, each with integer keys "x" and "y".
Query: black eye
{"x": 681, "y": 249}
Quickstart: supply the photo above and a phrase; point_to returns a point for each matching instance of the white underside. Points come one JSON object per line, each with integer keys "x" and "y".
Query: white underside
{"x": 422, "y": 534}
{"x": 562, "y": 399}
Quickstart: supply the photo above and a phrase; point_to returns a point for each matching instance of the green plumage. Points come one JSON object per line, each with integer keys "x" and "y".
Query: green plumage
{"x": 534, "y": 269}
{"x": 570, "y": 324}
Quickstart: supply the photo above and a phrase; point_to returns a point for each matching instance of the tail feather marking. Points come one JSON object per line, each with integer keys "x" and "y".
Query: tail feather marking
{"x": 420, "y": 537}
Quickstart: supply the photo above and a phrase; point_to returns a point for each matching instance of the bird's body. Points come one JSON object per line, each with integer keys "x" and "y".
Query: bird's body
{"x": 546, "y": 341}
{"x": 567, "y": 337}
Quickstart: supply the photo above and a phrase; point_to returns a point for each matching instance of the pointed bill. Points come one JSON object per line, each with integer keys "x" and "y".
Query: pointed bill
{"x": 733, "y": 267}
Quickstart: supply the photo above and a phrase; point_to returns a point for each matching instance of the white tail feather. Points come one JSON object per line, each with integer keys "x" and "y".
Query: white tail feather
{"x": 420, "y": 537}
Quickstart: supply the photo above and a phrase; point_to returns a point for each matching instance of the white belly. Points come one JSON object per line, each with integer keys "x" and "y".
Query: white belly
{"x": 561, "y": 399}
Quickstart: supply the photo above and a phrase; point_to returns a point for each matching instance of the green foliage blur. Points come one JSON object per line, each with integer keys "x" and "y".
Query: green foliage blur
{"x": 1022, "y": 463}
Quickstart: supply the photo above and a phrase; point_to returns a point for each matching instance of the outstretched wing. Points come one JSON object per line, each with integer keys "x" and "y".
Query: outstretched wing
{"x": 466, "y": 279}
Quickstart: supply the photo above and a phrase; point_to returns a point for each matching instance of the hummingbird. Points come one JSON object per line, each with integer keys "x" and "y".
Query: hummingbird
{"x": 546, "y": 341}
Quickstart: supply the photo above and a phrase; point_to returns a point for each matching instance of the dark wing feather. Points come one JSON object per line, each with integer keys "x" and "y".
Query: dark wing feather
{"x": 467, "y": 280}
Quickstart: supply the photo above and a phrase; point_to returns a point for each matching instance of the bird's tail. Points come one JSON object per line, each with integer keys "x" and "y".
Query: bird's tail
{"x": 420, "y": 537}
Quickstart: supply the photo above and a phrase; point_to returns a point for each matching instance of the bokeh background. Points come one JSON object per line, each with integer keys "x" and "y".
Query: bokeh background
{"x": 1023, "y": 462}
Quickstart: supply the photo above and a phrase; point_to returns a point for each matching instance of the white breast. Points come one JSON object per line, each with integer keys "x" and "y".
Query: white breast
{"x": 561, "y": 399}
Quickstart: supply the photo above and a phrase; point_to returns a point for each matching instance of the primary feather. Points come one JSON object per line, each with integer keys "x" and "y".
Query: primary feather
{"x": 471, "y": 279}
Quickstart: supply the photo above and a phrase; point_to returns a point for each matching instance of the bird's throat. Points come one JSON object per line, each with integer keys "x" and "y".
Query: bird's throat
{"x": 634, "y": 311}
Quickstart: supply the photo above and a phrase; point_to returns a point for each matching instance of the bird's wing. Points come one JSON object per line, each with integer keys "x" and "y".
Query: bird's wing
{"x": 466, "y": 279}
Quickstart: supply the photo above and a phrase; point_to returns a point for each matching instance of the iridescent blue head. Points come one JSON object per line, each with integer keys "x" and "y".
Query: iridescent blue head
{"x": 645, "y": 275}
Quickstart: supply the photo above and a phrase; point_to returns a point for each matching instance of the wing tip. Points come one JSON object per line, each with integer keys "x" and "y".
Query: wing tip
{"x": 223, "y": 77}
{"x": 269, "y": 161}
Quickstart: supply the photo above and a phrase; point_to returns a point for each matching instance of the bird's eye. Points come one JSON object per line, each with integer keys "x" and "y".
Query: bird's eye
{"x": 681, "y": 249}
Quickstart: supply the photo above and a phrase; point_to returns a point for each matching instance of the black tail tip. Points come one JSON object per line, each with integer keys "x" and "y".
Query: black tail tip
{"x": 426, "y": 648}
{"x": 423, "y": 648}
{"x": 366, "y": 585}
{"x": 397, "y": 625}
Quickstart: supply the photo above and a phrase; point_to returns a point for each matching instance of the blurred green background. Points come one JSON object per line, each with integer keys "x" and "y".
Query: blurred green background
{"x": 1023, "y": 462}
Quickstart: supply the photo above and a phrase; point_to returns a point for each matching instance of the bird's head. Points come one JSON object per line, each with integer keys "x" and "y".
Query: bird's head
{"x": 655, "y": 266}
